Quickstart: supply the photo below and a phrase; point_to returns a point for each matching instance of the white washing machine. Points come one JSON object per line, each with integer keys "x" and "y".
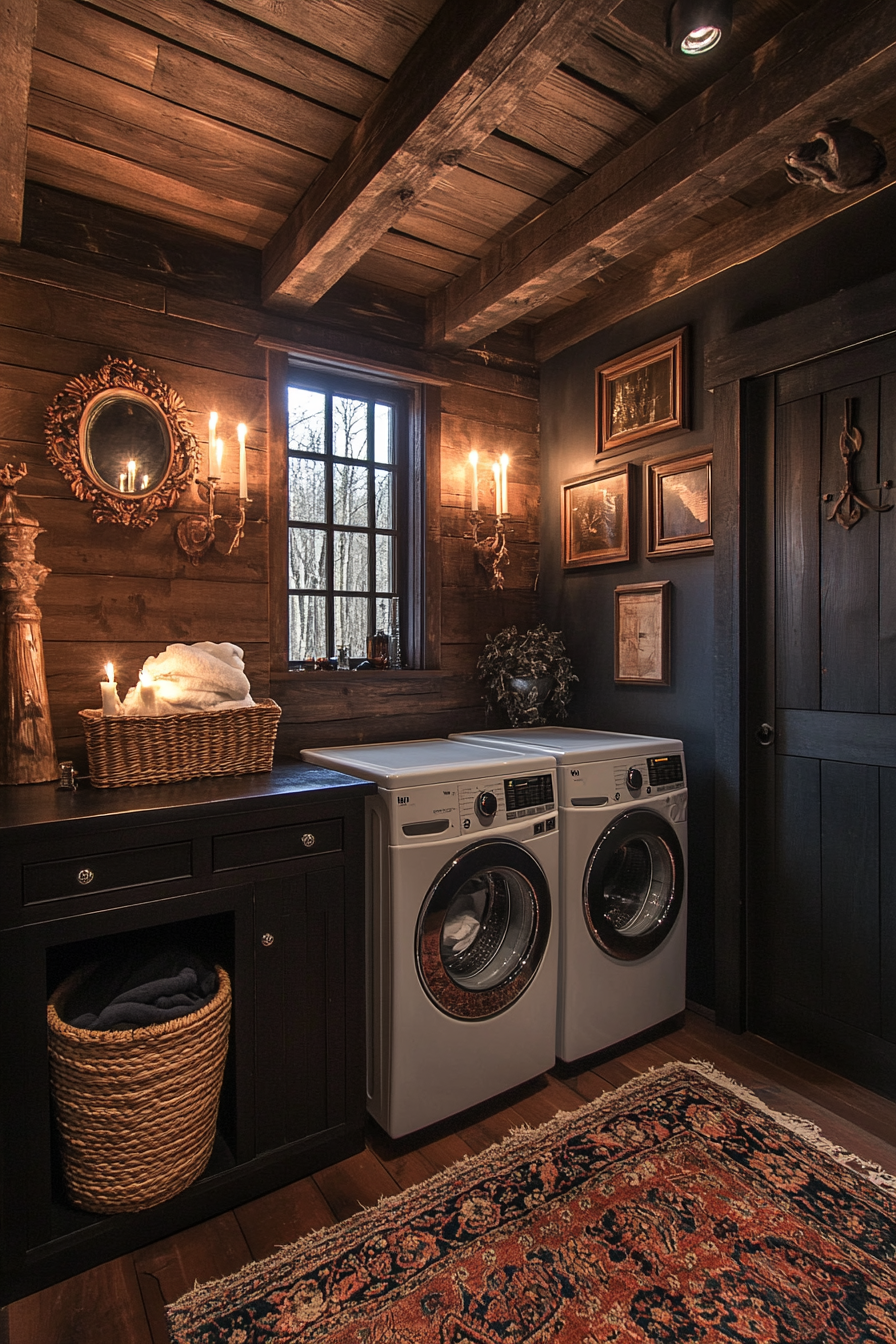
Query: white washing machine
{"x": 623, "y": 856}
{"x": 462, "y": 874}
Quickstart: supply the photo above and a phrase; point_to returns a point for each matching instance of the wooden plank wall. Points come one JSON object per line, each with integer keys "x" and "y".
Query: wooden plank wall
{"x": 90, "y": 281}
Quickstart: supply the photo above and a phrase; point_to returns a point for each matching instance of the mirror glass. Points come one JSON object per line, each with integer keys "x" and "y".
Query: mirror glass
{"x": 126, "y": 443}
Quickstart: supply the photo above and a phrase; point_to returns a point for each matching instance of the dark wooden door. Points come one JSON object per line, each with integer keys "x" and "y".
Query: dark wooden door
{"x": 822, "y": 879}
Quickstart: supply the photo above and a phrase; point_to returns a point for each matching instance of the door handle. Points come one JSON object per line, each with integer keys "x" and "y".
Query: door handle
{"x": 765, "y": 734}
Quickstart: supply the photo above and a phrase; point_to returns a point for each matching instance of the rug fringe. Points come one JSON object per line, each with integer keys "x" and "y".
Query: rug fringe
{"x": 805, "y": 1129}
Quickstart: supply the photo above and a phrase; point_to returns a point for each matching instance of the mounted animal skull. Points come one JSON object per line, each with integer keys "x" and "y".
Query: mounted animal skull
{"x": 841, "y": 158}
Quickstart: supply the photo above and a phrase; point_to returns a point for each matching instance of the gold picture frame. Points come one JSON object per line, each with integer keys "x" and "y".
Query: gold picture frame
{"x": 642, "y": 645}
{"x": 641, "y": 394}
{"x": 596, "y": 513}
{"x": 679, "y": 505}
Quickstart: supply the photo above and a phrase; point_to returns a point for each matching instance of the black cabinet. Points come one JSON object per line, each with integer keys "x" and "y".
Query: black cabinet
{"x": 262, "y": 874}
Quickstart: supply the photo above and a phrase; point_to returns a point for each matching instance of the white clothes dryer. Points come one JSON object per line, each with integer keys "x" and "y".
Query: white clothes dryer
{"x": 623, "y": 857}
{"x": 462, "y": 875}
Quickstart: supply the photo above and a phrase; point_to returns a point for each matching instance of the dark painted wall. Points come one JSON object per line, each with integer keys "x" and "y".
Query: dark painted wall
{"x": 855, "y": 246}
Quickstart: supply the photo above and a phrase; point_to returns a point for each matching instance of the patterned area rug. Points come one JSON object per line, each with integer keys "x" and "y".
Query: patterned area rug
{"x": 677, "y": 1208}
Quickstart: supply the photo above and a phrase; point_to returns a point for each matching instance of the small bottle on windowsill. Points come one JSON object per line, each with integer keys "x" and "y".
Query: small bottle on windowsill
{"x": 394, "y": 640}
{"x": 378, "y": 649}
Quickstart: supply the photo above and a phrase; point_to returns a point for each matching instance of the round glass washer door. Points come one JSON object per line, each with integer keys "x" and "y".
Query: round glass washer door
{"x": 483, "y": 929}
{"x": 634, "y": 885}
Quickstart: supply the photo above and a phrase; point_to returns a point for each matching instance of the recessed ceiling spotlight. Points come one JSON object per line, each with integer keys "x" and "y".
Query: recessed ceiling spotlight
{"x": 696, "y": 26}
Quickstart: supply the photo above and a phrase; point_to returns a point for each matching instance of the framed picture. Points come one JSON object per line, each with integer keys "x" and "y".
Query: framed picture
{"x": 641, "y": 394}
{"x": 596, "y": 517}
{"x": 642, "y": 634}
{"x": 679, "y": 504}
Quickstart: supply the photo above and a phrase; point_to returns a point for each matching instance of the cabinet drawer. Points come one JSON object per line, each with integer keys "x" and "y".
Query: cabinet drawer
{"x": 85, "y": 873}
{"x": 245, "y": 849}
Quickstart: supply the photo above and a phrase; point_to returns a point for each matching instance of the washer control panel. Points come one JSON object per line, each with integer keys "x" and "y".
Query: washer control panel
{"x": 429, "y": 812}
{"x": 528, "y": 795}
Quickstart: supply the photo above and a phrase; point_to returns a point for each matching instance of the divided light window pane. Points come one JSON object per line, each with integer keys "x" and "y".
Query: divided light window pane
{"x": 307, "y": 421}
{"x": 349, "y": 427}
{"x": 343, "y": 497}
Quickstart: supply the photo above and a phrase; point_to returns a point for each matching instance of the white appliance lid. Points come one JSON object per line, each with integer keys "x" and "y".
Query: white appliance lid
{"x": 433, "y": 760}
{"x": 573, "y": 745}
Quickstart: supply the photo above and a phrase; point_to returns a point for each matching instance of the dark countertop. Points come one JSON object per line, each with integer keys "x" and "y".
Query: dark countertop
{"x": 24, "y": 806}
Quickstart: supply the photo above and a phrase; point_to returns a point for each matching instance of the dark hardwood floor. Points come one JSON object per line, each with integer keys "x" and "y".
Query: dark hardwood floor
{"x": 123, "y": 1302}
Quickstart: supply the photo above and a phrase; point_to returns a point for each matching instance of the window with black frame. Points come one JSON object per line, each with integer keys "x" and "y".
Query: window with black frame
{"x": 347, "y": 444}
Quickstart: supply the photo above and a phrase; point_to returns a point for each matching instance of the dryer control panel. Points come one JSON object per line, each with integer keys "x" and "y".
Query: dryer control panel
{"x": 603, "y": 783}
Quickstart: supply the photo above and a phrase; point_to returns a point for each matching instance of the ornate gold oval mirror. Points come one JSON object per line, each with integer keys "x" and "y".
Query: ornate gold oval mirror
{"x": 120, "y": 439}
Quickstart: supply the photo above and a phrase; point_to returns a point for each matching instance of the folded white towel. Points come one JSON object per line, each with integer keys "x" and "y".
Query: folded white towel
{"x": 195, "y": 676}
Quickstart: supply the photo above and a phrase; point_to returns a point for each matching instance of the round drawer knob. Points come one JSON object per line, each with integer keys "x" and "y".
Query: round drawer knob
{"x": 86, "y": 876}
{"x": 307, "y": 839}
{"x": 267, "y": 940}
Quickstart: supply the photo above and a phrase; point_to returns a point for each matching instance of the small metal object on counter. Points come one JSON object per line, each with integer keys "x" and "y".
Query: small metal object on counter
{"x": 68, "y": 776}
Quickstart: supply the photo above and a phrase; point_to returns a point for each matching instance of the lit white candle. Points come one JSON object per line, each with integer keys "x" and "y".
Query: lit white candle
{"x": 219, "y": 457}
{"x": 109, "y": 691}
{"x": 244, "y": 484}
{"x": 145, "y": 485}
{"x": 505, "y": 460}
{"x": 496, "y": 472}
{"x": 473, "y": 460}
{"x": 147, "y": 704}
{"x": 212, "y": 425}
{"x": 132, "y": 476}
{"x": 122, "y": 482}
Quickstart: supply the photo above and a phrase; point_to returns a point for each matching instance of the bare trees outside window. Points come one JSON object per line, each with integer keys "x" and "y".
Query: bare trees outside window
{"x": 345, "y": 455}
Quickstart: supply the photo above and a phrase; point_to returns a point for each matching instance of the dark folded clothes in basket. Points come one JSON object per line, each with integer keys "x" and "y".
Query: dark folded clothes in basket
{"x": 120, "y": 994}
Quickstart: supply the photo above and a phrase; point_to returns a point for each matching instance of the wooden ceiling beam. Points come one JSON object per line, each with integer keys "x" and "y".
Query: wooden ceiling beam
{"x": 824, "y": 64}
{"x": 731, "y": 244}
{"x": 468, "y": 70}
{"x": 18, "y": 19}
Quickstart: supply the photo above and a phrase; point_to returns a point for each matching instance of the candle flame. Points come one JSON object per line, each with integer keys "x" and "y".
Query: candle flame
{"x": 241, "y": 435}
{"x": 110, "y": 672}
{"x": 505, "y": 460}
{"x": 473, "y": 458}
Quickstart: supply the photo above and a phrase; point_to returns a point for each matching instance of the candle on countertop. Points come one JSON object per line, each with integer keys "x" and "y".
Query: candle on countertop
{"x": 132, "y": 476}
{"x": 504, "y": 464}
{"x": 496, "y": 471}
{"x": 212, "y": 425}
{"x": 244, "y": 484}
{"x": 147, "y": 703}
{"x": 473, "y": 460}
{"x": 109, "y": 691}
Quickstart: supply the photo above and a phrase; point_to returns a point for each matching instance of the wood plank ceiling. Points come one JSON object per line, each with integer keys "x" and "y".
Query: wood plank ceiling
{"x": 543, "y": 161}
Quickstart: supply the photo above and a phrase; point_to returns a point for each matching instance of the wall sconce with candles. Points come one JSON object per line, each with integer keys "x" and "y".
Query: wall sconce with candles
{"x": 490, "y": 551}
{"x": 196, "y": 535}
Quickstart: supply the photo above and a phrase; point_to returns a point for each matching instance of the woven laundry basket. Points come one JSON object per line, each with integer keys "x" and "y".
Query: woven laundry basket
{"x": 128, "y": 750}
{"x": 136, "y": 1110}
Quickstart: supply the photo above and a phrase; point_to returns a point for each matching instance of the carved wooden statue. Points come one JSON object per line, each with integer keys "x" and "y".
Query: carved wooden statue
{"x": 27, "y": 753}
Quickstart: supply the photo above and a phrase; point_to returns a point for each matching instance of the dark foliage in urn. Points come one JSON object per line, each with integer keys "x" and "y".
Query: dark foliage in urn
{"x": 528, "y": 676}
{"x": 840, "y": 158}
